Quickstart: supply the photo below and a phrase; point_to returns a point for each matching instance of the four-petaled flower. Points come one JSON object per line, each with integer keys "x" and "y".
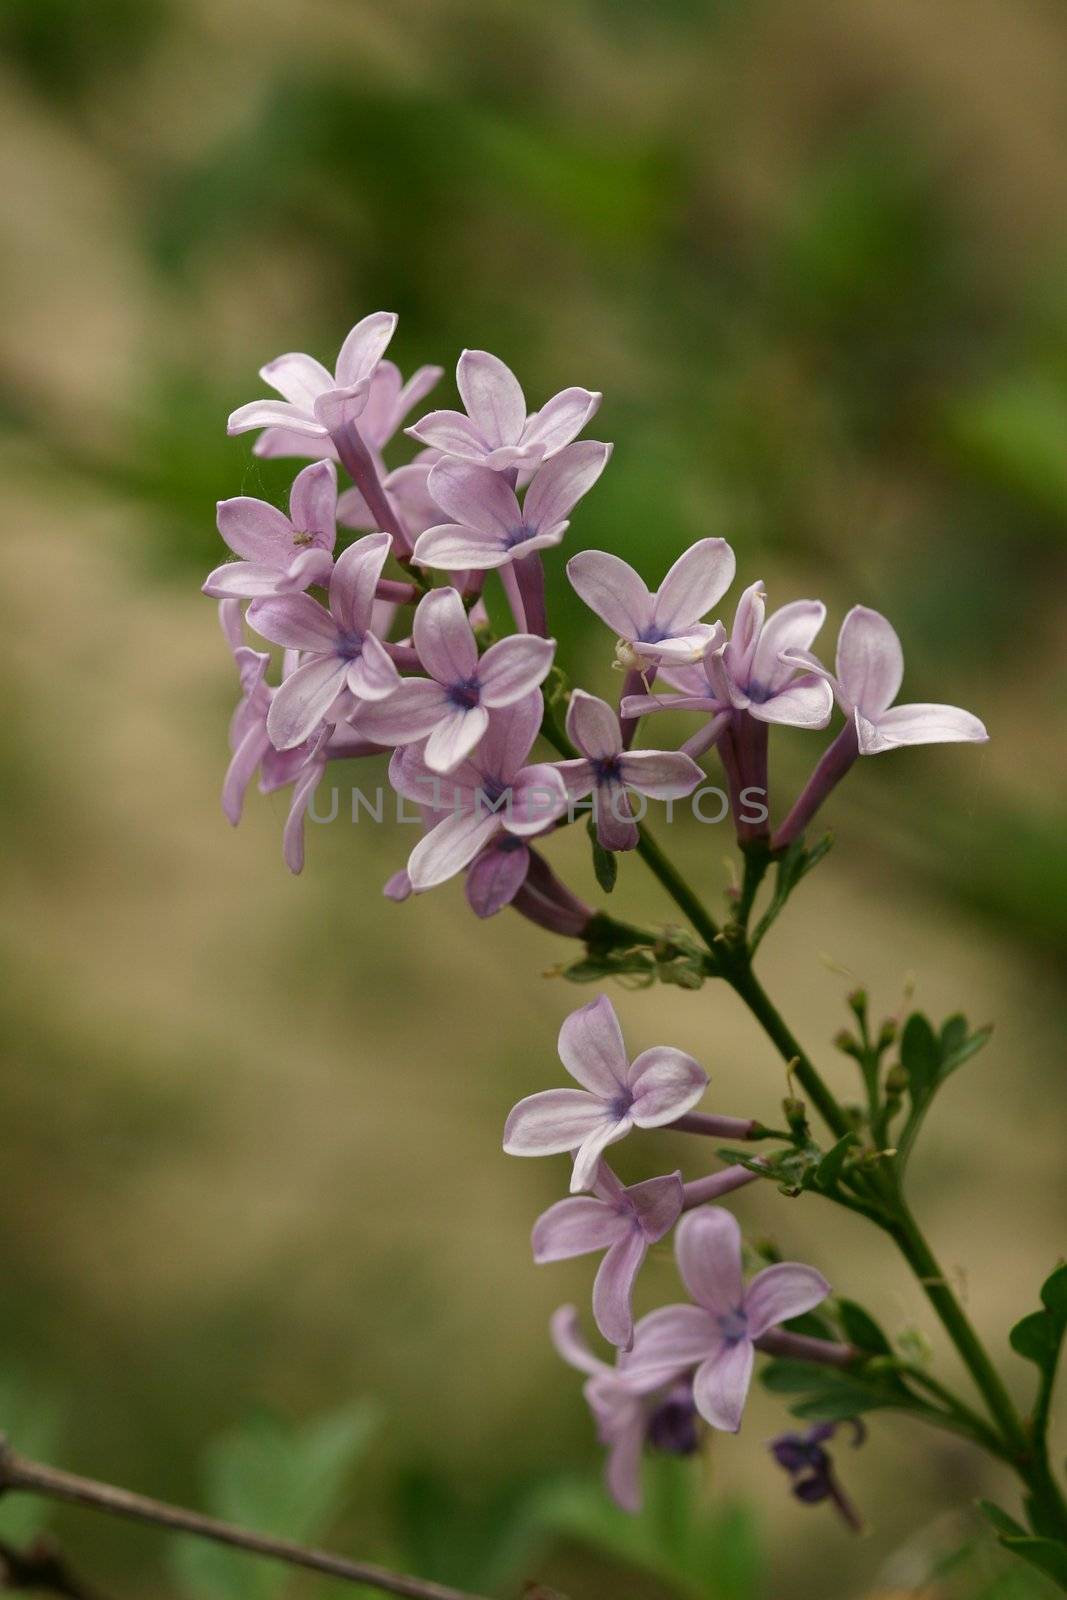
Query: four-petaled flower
{"x": 606, "y": 769}
{"x": 664, "y": 625}
{"x": 755, "y": 671}
{"x": 489, "y": 528}
{"x": 450, "y": 709}
{"x": 339, "y": 648}
{"x": 717, "y": 1336}
{"x": 496, "y": 431}
{"x": 661, "y": 1085}
{"x": 870, "y": 669}
{"x": 279, "y": 554}
{"x": 491, "y": 793}
{"x": 389, "y": 399}
{"x": 315, "y": 402}
{"x": 624, "y": 1222}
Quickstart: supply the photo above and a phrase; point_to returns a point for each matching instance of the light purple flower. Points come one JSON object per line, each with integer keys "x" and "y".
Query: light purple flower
{"x": 339, "y": 649}
{"x": 497, "y": 873}
{"x": 623, "y": 1222}
{"x": 489, "y": 528}
{"x": 279, "y": 554}
{"x": 490, "y": 793}
{"x": 606, "y": 769}
{"x": 450, "y": 709}
{"x": 755, "y": 673}
{"x": 870, "y": 669}
{"x": 315, "y": 402}
{"x": 661, "y": 1085}
{"x": 496, "y": 431}
{"x": 623, "y": 1404}
{"x": 665, "y": 625}
{"x": 718, "y": 1335}
{"x": 389, "y": 399}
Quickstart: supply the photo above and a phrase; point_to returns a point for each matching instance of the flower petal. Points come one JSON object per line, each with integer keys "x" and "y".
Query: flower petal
{"x": 591, "y": 1048}
{"x": 593, "y": 726}
{"x": 355, "y": 578}
{"x": 870, "y": 662}
{"x": 460, "y": 730}
{"x": 275, "y": 414}
{"x": 537, "y": 798}
{"x": 566, "y": 1334}
{"x": 622, "y": 1470}
{"x": 476, "y": 497}
{"x": 364, "y": 347}
{"x": 561, "y": 419}
{"x": 579, "y": 777}
{"x": 791, "y": 627}
{"x": 919, "y": 724}
{"x": 513, "y": 667}
{"x": 778, "y": 1293}
{"x": 450, "y": 432}
{"x": 807, "y": 702}
{"x": 575, "y": 1227}
{"x": 313, "y": 502}
{"x": 444, "y": 638}
{"x": 665, "y": 1084}
{"x": 587, "y": 1156}
{"x": 657, "y": 1204}
{"x": 613, "y": 590}
{"x": 302, "y": 701}
{"x": 448, "y": 848}
{"x": 660, "y": 774}
{"x": 613, "y": 1288}
{"x": 615, "y": 825}
{"x": 298, "y": 378}
{"x": 296, "y": 621}
{"x": 453, "y": 547}
{"x": 696, "y": 582}
{"x": 558, "y": 485}
{"x": 707, "y": 1244}
{"x": 373, "y": 675}
{"x": 492, "y": 395}
{"x": 720, "y": 1385}
{"x": 556, "y": 1120}
{"x": 512, "y": 731}
{"x": 495, "y": 877}
{"x": 411, "y": 712}
{"x": 293, "y": 832}
{"x": 669, "y": 1341}
{"x": 256, "y": 530}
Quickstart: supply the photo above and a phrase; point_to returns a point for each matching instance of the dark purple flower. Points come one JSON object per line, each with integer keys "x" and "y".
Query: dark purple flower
{"x": 805, "y": 1457}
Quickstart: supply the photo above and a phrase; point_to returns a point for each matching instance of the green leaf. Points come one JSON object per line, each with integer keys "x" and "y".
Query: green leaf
{"x": 920, "y": 1054}
{"x": 605, "y": 864}
{"x": 1000, "y": 1520}
{"x": 832, "y": 1164}
{"x": 1038, "y": 1337}
{"x": 1047, "y": 1555}
{"x": 860, "y": 1329}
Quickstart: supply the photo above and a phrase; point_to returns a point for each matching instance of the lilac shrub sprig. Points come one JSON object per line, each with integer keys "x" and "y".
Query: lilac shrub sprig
{"x": 490, "y": 741}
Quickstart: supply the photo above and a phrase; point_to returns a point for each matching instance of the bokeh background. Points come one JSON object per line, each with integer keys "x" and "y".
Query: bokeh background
{"x": 259, "y": 1247}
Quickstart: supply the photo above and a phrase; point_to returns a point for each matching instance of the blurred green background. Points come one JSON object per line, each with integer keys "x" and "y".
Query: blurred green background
{"x": 256, "y": 1220}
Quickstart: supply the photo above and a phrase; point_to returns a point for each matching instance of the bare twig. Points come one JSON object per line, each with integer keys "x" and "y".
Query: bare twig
{"x": 32, "y": 1477}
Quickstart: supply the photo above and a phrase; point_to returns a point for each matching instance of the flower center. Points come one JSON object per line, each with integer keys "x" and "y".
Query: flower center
{"x": 349, "y": 645}
{"x": 517, "y": 535}
{"x": 606, "y": 769}
{"x": 734, "y": 1325}
{"x": 620, "y": 1106}
{"x": 465, "y": 695}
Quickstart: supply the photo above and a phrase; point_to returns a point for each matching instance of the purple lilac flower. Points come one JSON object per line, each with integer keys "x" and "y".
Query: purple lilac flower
{"x": 623, "y": 1222}
{"x": 317, "y": 403}
{"x": 496, "y": 431}
{"x": 339, "y": 649}
{"x": 544, "y": 900}
{"x": 623, "y": 1406}
{"x": 753, "y": 672}
{"x": 493, "y": 791}
{"x": 809, "y": 1465}
{"x": 606, "y": 770}
{"x": 717, "y": 1336}
{"x": 279, "y": 554}
{"x": 389, "y": 400}
{"x": 450, "y": 709}
{"x": 663, "y": 626}
{"x": 869, "y": 672}
{"x": 489, "y": 528}
{"x": 661, "y": 1085}
{"x": 699, "y": 688}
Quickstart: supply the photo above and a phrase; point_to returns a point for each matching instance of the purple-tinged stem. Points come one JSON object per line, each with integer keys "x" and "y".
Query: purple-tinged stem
{"x": 404, "y": 655}
{"x": 393, "y": 589}
{"x": 798, "y": 1347}
{"x": 543, "y": 899}
{"x": 633, "y": 683}
{"x": 530, "y": 578}
{"x": 835, "y": 762}
{"x": 701, "y": 1190}
{"x": 751, "y": 739}
{"x": 510, "y": 581}
{"x": 359, "y": 464}
{"x": 717, "y": 1127}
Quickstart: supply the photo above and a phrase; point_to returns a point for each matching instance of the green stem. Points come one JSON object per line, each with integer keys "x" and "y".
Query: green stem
{"x": 745, "y": 984}
{"x": 679, "y": 891}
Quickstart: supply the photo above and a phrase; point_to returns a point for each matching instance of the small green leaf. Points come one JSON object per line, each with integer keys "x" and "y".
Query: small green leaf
{"x": 860, "y": 1329}
{"x": 962, "y": 1050}
{"x": 1000, "y": 1520}
{"x": 920, "y": 1054}
{"x": 832, "y": 1164}
{"x": 1036, "y": 1338}
{"x": 1047, "y": 1555}
{"x": 1054, "y": 1292}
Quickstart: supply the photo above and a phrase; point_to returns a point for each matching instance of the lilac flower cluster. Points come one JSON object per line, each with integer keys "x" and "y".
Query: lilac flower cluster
{"x": 394, "y": 655}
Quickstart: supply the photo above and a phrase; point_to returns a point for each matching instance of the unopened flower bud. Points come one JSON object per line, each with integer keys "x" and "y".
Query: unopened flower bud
{"x": 847, "y": 1043}
{"x": 887, "y": 1034}
{"x": 896, "y": 1079}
